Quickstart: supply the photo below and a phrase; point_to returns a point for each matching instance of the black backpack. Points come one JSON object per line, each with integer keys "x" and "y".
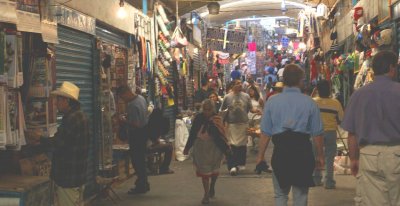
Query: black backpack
{"x": 158, "y": 125}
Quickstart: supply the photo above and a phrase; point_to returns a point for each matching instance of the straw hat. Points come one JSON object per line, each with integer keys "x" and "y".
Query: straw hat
{"x": 279, "y": 85}
{"x": 68, "y": 90}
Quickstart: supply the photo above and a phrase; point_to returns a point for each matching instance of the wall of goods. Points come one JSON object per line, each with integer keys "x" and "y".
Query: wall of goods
{"x": 346, "y": 55}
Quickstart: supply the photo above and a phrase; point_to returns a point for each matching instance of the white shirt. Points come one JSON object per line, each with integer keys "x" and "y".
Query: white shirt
{"x": 280, "y": 72}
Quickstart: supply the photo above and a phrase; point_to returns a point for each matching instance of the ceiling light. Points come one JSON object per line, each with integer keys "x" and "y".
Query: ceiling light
{"x": 213, "y": 8}
{"x": 121, "y": 13}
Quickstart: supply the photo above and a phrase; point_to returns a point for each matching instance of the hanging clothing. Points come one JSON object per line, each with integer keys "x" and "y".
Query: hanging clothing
{"x": 322, "y": 11}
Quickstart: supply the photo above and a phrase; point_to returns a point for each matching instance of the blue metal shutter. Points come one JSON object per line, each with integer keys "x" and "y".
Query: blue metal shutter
{"x": 112, "y": 37}
{"x": 74, "y": 63}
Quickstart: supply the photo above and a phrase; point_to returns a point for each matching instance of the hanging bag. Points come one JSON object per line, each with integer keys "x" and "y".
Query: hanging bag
{"x": 178, "y": 39}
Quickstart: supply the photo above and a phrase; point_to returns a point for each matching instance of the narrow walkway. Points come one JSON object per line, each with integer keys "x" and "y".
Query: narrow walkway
{"x": 246, "y": 189}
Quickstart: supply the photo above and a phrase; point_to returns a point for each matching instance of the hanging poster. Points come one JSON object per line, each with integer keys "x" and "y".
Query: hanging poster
{"x": 8, "y": 12}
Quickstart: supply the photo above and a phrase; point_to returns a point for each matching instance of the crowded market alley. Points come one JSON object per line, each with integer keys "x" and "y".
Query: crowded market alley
{"x": 199, "y": 102}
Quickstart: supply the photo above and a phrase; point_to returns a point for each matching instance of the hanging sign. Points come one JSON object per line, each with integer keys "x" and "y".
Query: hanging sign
{"x": 49, "y": 32}
{"x": 28, "y": 22}
{"x": 231, "y": 48}
{"x": 28, "y": 17}
{"x": 76, "y": 20}
{"x": 229, "y": 41}
{"x": 8, "y": 12}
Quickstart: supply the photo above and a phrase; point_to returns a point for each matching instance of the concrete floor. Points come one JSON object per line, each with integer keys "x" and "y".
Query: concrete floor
{"x": 247, "y": 189}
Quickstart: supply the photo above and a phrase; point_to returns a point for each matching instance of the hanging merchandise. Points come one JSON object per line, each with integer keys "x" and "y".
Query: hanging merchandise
{"x": 178, "y": 39}
{"x": 322, "y": 11}
{"x": 162, "y": 13}
{"x": 162, "y": 26}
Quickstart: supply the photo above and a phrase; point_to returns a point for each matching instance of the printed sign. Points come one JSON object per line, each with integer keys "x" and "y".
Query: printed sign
{"x": 76, "y": 20}
{"x": 28, "y": 22}
{"x": 8, "y": 12}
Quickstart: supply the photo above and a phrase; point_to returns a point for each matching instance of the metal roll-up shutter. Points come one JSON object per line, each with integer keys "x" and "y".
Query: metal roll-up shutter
{"x": 112, "y": 36}
{"x": 74, "y": 63}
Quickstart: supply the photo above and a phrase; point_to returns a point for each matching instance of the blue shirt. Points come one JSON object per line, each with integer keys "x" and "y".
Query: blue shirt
{"x": 235, "y": 75}
{"x": 373, "y": 113}
{"x": 291, "y": 110}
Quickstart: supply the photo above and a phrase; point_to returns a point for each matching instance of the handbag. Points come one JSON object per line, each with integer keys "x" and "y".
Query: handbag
{"x": 178, "y": 39}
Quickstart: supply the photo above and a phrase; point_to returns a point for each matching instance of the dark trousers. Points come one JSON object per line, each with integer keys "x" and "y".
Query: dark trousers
{"x": 238, "y": 156}
{"x": 167, "y": 149}
{"x": 137, "y": 145}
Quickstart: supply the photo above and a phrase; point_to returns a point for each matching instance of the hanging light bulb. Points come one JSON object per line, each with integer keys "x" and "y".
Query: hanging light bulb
{"x": 283, "y": 7}
{"x": 121, "y": 13}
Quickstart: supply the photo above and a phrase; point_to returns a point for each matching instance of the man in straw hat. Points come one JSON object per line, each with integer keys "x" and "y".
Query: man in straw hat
{"x": 276, "y": 89}
{"x": 70, "y": 146}
{"x": 137, "y": 118}
{"x": 291, "y": 119}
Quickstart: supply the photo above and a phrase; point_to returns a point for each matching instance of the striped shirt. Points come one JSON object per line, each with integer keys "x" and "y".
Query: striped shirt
{"x": 331, "y": 112}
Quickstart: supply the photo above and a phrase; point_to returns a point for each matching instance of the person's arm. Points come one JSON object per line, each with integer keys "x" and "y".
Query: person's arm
{"x": 266, "y": 133}
{"x": 262, "y": 147}
{"x": 319, "y": 146}
{"x": 317, "y": 130}
{"x": 192, "y": 134}
{"x": 354, "y": 153}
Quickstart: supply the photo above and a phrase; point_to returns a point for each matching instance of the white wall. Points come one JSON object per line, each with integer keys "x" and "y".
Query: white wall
{"x": 105, "y": 11}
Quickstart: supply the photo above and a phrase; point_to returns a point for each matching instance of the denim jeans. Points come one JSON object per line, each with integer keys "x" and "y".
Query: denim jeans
{"x": 329, "y": 153}
{"x": 300, "y": 194}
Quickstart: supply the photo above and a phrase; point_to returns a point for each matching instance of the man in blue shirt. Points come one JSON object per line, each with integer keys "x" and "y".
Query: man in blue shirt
{"x": 372, "y": 119}
{"x": 236, "y": 73}
{"x": 291, "y": 119}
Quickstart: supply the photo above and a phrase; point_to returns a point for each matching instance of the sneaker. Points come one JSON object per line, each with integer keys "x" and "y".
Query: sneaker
{"x": 241, "y": 167}
{"x": 233, "y": 171}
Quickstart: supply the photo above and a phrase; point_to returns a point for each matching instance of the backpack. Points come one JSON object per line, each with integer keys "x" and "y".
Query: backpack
{"x": 158, "y": 125}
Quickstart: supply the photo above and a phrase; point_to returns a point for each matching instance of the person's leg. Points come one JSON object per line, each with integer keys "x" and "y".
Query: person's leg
{"x": 391, "y": 168}
{"x": 212, "y": 186}
{"x": 317, "y": 175}
{"x": 371, "y": 183}
{"x": 300, "y": 196}
{"x": 330, "y": 153}
{"x": 281, "y": 194}
{"x": 167, "y": 149}
{"x": 139, "y": 163}
{"x": 206, "y": 186}
{"x": 241, "y": 157}
{"x": 231, "y": 159}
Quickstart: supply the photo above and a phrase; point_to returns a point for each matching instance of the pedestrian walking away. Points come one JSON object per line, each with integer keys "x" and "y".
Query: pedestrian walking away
{"x": 290, "y": 119}
{"x": 372, "y": 118}
{"x": 331, "y": 114}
